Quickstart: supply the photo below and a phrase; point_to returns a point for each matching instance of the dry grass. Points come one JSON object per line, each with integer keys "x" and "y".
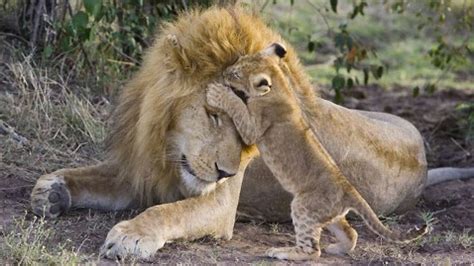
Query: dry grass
{"x": 55, "y": 116}
{"x": 42, "y": 103}
{"x": 29, "y": 242}
{"x": 46, "y": 120}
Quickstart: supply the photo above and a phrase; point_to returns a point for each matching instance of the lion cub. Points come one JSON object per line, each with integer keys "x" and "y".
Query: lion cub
{"x": 257, "y": 95}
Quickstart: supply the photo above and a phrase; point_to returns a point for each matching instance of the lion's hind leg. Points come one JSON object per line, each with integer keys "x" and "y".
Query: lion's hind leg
{"x": 345, "y": 235}
{"x": 85, "y": 187}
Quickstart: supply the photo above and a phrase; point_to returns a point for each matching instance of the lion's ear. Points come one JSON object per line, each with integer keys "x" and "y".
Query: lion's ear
{"x": 275, "y": 49}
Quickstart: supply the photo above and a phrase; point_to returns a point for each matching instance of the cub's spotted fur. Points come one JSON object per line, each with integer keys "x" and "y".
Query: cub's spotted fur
{"x": 258, "y": 95}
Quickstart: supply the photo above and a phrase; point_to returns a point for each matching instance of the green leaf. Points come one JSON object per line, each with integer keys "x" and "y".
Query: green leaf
{"x": 65, "y": 44}
{"x": 339, "y": 40}
{"x": 338, "y": 97}
{"x": 355, "y": 12}
{"x": 416, "y": 91}
{"x": 349, "y": 42}
{"x": 430, "y": 88}
{"x": 366, "y": 76}
{"x": 377, "y": 72}
{"x": 350, "y": 83}
{"x": 80, "y": 20}
{"x": 380, "y": 71}
{"x": 338, "y": 82}
{"x": 334, "y": 6}
{"x": 311, "y": 46}
{"x": 84, "y": 33}
{"x": 292, "y": 2}
{"x": 338, "y": 63}
{"x": 93, "y": 7}
{"x": 348, "y": 67}
{"x": 47, "y": 51}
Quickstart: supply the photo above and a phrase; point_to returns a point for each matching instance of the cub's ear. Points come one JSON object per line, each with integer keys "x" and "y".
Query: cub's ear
{"x": 276, "y": 48}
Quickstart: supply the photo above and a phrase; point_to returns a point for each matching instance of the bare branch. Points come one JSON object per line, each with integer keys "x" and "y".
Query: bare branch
{"x": 7, "y": 130}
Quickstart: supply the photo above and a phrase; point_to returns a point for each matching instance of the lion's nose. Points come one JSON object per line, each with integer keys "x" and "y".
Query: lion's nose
{"x": 222, "y": 173}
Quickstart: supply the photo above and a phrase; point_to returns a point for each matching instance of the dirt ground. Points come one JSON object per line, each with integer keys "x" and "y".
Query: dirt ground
{"x": 449, "y": 204}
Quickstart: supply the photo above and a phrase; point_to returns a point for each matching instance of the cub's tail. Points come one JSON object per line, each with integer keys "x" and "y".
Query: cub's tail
{"x": 361, "y": 207}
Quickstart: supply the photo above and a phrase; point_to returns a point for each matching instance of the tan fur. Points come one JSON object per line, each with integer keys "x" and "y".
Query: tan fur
{"x": 162, "y": 113}
{"x": 270, "y": 116}
{"x": 163, "y": 84}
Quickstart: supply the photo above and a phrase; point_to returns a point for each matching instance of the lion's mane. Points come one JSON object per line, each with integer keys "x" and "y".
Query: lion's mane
{"x": 210, "y": 40}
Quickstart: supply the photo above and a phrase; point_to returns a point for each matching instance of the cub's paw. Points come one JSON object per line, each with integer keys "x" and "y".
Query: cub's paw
{"x": 127, "y": 240}
{"x": 50, "y": 196}
{"x": 216, "y": 95}
{"x": 292, "y": 253}
{"x": 338, "y": 249}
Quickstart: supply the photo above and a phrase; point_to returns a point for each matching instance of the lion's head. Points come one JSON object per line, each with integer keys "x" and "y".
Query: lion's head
{"x": 168, "y": 143}
{"x": 204, "y": 146}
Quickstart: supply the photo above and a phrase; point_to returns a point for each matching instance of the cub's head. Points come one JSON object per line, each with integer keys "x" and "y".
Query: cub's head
{"x": 256, "y": 75}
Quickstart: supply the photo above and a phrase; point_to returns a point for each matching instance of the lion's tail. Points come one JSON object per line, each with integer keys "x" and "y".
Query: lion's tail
{"x": 361, "y": 207}
{"x": 444, "y": 174}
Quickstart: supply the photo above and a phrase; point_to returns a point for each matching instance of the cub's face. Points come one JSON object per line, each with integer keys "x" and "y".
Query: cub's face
{"x": 250, "y": 76}
{"x": 206, "y": 147}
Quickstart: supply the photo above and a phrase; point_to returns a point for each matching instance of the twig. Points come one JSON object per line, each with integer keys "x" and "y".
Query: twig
{"x": 14, "y": 36}
{"x": 322, "y": 16}
{"x": 6, "y": 129}
{"x": 468, "y": 154}
{"x": 38, "y": 15}
{"x": 121, "y": 62}
{"x": 264, "y": 6}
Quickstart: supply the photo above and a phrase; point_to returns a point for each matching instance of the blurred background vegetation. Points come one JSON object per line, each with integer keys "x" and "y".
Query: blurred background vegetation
{"x": 421, "y": 46}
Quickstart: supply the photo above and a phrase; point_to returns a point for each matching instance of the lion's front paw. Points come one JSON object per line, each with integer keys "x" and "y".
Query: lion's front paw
{"x": 125, "y": 239}
{"x": 50, "y": 196}
{"x": 216, "y": 94}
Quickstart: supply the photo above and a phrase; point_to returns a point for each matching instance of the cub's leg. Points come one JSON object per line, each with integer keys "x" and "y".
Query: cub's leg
{"x": 308, "y": 233}
{"x": 220, "y": 96}
{"x": 346, "y": 236}
{"x": 84, "y": 187}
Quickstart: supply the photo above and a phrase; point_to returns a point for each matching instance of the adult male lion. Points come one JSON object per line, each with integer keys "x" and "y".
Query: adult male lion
{"x": 169, "y": 150}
